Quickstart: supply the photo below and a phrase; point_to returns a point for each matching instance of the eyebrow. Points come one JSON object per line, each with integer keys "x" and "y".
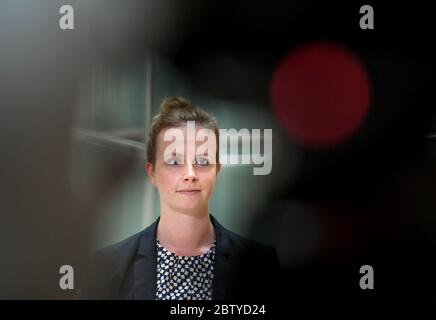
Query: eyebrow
{"x": 174, "y": 154}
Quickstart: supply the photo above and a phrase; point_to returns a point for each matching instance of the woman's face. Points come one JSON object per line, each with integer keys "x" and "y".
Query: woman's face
{"x": 185, "y": 180}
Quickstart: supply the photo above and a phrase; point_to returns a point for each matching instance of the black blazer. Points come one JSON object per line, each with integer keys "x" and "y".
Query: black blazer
{"x": 244, "y": 269}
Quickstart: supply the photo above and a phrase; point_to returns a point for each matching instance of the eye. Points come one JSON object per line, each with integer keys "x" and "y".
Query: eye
{"x": 174, "y": 161}
{"x": 201, "y": 161}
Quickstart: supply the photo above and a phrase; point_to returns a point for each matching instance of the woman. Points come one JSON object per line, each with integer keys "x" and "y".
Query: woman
{"x": 185, "y": 253}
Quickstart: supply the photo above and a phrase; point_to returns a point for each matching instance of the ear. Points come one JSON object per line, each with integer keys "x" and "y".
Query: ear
{"x": 150, "y": 172}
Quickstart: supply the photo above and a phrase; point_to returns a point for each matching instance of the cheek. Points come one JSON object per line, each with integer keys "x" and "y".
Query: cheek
{"x": 207, "y": 180}
{"x": 165, "y": 180}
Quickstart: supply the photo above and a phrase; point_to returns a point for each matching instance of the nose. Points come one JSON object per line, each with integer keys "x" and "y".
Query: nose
{"x": 190, "y": 175}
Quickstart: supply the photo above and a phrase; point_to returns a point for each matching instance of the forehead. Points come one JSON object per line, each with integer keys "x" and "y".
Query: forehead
{"x": 181, "y": 135}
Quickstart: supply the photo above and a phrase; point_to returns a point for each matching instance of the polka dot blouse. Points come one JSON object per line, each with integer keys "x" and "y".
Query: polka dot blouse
{"x": 184, "y": 277}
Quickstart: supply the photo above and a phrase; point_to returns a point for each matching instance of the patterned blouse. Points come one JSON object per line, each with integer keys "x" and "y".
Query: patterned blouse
{"x": 184, "y": 277}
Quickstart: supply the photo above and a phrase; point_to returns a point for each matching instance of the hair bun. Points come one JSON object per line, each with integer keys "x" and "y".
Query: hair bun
{"x": 175, "y": 103}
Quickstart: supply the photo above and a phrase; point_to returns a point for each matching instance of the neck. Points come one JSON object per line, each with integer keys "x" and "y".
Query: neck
{"x": 185, "y": 234}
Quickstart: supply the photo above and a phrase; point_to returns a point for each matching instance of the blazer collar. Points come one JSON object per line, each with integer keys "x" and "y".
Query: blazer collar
{"x": 145, "y": 273}
{"x": 223, "y": 261}
{"x": 145, "y": 265}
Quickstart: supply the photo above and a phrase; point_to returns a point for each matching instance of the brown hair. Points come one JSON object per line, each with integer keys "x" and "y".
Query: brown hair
{"x": 175, "y": 112}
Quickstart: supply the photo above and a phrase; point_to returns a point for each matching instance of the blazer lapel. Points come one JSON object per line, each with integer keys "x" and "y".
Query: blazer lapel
{"x": 223, "y": 262}
{"x": 145, "y": 265}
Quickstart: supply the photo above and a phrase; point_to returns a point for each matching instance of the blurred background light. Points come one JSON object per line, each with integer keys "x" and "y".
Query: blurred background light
{"x": 320, "y": 92}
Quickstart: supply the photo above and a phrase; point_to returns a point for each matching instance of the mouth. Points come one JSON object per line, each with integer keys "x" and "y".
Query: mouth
{"x": 189, "y": 191}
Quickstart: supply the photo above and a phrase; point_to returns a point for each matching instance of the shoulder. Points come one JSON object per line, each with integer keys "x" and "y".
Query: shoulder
{"x": 125, "y": 250}
{"x": 244, "y": 242}
{"x": 121, "y": 250}
{"x": 114, "y": 259}
{"x": 244, "y": 245}
{"x": 108, "y": 266}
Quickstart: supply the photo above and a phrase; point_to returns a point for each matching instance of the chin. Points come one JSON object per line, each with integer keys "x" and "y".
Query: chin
{"x": 192, "y": 210}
